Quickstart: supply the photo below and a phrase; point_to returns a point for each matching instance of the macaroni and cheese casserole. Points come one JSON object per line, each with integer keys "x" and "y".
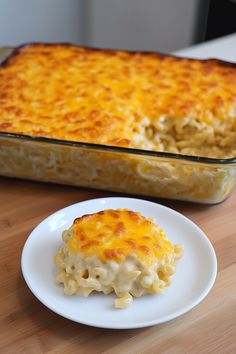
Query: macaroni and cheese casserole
{"x": 117, "y": 251}
{"x": 139, "y": 100}
{"x": 54, "y": 98}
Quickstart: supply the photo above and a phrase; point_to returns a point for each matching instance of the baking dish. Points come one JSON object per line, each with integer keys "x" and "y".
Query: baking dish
{"x": 155, "y": 174}
{"x": 122, "y": 169}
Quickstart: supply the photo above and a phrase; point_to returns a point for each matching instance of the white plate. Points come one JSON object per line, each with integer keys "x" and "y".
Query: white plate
{"x": 194, "y": 277}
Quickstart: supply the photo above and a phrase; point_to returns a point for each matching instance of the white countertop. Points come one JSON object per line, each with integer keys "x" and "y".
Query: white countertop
{"x": 222, "y": 48}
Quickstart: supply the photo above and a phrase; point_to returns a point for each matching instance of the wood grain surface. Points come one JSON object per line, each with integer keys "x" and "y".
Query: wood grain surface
{"x": 27, "y": 326}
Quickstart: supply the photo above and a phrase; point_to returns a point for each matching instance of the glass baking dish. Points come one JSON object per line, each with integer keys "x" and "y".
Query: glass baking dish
{"x": 142, "y": 172}
{"x": 150, "y": 173}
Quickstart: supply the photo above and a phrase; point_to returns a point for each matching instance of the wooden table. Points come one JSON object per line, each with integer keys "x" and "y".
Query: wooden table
{"x": 27, "y": 326}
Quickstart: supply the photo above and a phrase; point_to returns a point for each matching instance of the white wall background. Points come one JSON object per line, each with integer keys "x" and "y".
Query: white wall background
{"x": 40, "y": 20}
{"x": 163, "y": 25}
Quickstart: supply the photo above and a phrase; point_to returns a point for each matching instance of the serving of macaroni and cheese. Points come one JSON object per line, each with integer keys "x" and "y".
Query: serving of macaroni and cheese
{"x": 118, "y": 251}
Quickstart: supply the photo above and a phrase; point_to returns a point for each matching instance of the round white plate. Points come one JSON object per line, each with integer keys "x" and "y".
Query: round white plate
{"x": 195, "y": 275}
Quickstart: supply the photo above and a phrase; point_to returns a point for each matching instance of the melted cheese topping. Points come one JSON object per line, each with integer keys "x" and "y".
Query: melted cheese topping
{"x": 140, "y": 100}
{"x": 113, "y": 235}
{"x": 117, "y": 251}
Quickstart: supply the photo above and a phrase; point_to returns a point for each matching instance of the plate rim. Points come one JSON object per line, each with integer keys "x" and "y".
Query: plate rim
{"x": 140, "y": 324}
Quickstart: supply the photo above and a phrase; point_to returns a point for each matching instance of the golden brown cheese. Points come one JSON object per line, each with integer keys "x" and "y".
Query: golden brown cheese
{"x": 140, "y": 100}
{"x": 113, "y": 235}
